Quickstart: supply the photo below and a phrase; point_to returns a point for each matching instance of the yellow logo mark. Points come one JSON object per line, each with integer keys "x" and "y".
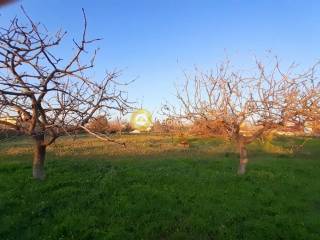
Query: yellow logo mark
{"x": 141, "y": 120}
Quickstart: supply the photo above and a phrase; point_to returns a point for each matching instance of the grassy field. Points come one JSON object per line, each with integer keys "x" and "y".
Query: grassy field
{"x": 156, "y": 189}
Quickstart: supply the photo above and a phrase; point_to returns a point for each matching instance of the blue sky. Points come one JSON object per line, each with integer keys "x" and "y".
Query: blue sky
{"x": 155, "y": 40}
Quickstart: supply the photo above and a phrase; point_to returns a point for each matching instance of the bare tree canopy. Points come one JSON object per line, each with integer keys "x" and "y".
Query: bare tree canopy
{"x": 265, "y": 98}
{"x": 45, "y": 94}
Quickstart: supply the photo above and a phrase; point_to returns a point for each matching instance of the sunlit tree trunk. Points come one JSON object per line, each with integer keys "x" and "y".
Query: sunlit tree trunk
{"x": 39, "y": 157}
{"x": 243, "y": 158}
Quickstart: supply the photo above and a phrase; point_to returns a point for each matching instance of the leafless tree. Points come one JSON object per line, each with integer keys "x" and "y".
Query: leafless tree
{"x": 265, "y": 98}
{"x": 49, "y": 96}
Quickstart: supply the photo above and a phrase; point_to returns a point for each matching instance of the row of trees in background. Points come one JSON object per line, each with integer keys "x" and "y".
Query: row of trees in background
{"x": 102, "y": 124}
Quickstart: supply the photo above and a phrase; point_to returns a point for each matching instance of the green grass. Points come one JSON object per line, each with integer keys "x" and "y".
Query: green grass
{"x": 155, "y": 189}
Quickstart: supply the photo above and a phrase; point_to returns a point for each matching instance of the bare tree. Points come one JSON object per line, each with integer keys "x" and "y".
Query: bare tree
{"x": 264, "y": 98}
{"x": 47, "y": 95}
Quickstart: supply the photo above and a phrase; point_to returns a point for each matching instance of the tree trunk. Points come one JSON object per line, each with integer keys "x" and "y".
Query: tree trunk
{"x": 38, "y": 159}
{"x": 243, "y": 158}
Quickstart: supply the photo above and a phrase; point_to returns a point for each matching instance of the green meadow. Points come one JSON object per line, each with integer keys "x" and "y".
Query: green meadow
{"x": 157, "y": 189}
